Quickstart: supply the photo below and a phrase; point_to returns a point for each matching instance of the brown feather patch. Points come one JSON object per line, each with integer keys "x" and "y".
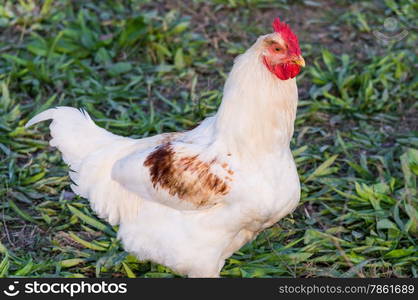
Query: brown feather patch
{"x": 188, "y": 178}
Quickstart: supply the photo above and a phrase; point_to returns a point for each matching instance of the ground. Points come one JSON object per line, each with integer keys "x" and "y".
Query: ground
{"x": 146, "y": 67}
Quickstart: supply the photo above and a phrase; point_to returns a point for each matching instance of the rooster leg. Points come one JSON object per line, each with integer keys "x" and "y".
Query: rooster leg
{"x": 242, "y": 237}
{"x": 208, "y": 273}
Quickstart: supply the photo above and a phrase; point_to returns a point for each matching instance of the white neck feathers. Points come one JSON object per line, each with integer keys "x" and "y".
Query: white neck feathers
{"x": 258, "y": 110}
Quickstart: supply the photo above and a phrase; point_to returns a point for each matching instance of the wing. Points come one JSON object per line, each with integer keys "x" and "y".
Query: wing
{"x": 176, "y": 173}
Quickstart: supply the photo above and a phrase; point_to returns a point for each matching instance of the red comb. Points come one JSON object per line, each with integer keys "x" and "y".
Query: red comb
{"x": 287, "y": 35}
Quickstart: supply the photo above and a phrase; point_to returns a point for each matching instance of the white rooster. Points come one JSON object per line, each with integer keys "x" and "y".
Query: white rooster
{"x": 189, "y": 200}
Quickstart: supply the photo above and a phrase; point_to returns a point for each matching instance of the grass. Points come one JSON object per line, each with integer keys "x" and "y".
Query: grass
{"x": 145, "y": 67}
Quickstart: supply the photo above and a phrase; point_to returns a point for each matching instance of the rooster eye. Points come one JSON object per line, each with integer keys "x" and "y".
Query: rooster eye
{"x": 277, "y": 49}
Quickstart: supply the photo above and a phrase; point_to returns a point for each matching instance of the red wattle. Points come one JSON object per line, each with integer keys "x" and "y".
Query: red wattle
{"x": 283, "y": 71}
{"x": 286, "y": 71}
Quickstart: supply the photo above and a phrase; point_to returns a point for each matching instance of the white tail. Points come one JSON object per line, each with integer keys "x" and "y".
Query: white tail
{"x": 73, "y": 133}
{"x": 84, "y": 148}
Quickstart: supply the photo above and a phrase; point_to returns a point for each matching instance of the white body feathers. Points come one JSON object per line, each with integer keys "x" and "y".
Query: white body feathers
{"x": 186, "y": 223}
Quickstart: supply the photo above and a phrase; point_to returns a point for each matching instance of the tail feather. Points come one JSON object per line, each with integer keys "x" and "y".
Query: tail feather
{"x": 43, "y": 116}
{"x": 74, "y": 133}
{"x": 91, "y": 151}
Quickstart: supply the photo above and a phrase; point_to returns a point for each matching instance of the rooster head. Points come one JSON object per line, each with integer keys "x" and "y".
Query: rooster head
{"x": 282, "y": 55}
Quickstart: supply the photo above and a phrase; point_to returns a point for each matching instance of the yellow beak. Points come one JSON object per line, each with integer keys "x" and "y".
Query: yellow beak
{"x": 299, "y": 61}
